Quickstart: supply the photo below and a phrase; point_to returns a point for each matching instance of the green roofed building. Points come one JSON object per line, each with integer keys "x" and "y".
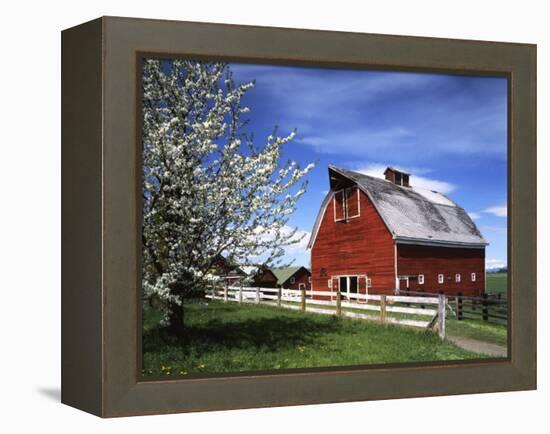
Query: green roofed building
{"x": 285, "y": 277}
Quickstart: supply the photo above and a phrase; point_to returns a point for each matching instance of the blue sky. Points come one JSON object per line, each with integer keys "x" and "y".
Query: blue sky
{"x": 448, "y": 131}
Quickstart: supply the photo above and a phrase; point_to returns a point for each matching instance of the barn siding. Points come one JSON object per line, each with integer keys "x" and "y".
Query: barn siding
{"x": 431, "y": 261}
{"x": 301, "y": 276}
{"x": 361, "y": 245}
{"x": 265, "y": 279}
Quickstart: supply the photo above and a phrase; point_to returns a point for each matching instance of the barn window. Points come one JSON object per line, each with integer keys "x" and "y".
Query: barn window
{"x": 352, "y": 202}
{"x": 292, "y": 280}
{"x": 309, "y": 279}
{"x": 369, "y": 282}
{"x": 346, "y": 204}
{"x": 440, "y": 278}
{"x": 457, "y": 278}
{"x": 339, "y": 206}
{"x": 473, "y": 277}
{"x": 421, "y": 279}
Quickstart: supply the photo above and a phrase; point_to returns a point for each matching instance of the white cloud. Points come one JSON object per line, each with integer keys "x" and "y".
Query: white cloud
{"x": 303, "y": 236}
{"x": 432, "y": 184}
{"x": 366, "y": 113}
{"x": 377, "y": 170}
{"x": 296, "y": 252}
{"x": 499, "y": 211}
{"x": 494, "y": 263}
{"x": 474, "y": 215}
{"x": 267, "y": 234}
{"x": 357, "y": 140}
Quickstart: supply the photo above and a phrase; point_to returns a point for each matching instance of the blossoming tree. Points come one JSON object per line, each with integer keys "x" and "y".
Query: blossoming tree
{"x": 208, "y": 189}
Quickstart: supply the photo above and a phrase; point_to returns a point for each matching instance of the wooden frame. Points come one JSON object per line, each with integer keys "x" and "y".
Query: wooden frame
{"x": 342, "y": 191}
{"x": 100, "y": 263}
{"x": 345, "y": 197}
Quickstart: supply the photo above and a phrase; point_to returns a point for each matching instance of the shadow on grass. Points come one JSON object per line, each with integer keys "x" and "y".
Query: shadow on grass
{"x": 273, "y": 334}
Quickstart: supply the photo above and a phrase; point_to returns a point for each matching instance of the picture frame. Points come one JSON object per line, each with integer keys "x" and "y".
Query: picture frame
{"x": 101, "y": 344}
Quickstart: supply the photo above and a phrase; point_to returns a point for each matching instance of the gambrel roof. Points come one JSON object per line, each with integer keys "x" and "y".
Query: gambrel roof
{"x": 412, "y": 216}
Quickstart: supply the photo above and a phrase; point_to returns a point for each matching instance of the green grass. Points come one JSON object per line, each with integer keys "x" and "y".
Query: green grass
{"x": 497, "y": 283}
{"x": 230, "y": 337}
{"x": 468, "y": 328}
{"x": 478, "y": 330}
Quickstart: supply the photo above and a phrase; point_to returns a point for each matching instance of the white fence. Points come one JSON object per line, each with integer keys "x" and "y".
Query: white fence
{"x": 362, "y": 305}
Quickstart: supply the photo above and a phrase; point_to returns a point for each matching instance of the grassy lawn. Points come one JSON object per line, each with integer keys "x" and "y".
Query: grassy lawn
{"x": 497, "y": 283}
{"x": 230, "y": 337}
{"x": 470, "y": 328}
{"x": 478, "y": 330}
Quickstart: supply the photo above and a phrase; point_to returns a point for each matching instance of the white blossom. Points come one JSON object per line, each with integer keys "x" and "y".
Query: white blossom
{"x": 208, "y": 190}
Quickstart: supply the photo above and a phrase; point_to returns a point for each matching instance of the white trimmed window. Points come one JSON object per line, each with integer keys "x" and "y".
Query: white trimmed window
{"x": 457, "y": 278}
{"x": 473, "y": 277}
{"x": 346, "y": 204}
{"x": 339, "y": 204}
{"x": 352, "y": 203}
{"x": 369, "y": 282}
{"x": 330, "y": 283}
{"x": 440, "y": 278}
{"x": 309, "y": 279}
{"x": 421, "y": 279}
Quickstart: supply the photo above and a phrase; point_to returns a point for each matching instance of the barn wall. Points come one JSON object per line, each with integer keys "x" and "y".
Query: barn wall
{"x": 301, "y": 276}
{"x": 431, "y": 261}
{"x": 361, "y": 245}
{"x": 265, "y": 279}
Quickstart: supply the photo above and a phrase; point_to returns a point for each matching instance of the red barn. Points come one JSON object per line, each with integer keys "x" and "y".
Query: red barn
{"x": 383, "y": 236}
{"x": 285, "y": 277}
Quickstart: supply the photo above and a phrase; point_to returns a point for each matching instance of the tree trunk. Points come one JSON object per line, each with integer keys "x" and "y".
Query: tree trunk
{"x": 176, "y": 319}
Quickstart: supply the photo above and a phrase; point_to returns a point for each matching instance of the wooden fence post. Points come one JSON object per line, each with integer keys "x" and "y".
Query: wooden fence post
{"x": 225, "y": 292}
{"x": 257, "y": 295}
{"x": 382, "y": 309}
{"x": 459, "y": 306}
{"x": 279, "y": 291}
{"x": 303, "y": 299}
{"x": 441, "y": 311}
{"x": 338, "y": 304}
{"x": 485, "y": 307}
{"x": 240, "y": 294}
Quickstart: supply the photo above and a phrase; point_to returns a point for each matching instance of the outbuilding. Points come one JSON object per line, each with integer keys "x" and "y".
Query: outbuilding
{"x": 285, "y": 277}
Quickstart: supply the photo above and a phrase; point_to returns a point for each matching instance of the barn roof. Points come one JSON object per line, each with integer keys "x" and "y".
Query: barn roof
{"x": 413, "y": 216}
{"x": 284, "y": 273}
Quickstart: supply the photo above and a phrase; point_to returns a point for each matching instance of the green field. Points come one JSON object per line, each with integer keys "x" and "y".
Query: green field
{"x": 478, "y": 330}
{"x": 229, "y": 337}
{"x": 497, "y": 283}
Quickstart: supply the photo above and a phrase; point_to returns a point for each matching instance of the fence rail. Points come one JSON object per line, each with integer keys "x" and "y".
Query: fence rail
{"x": 491, "y": 308}
{"x": 333, "y": 303}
